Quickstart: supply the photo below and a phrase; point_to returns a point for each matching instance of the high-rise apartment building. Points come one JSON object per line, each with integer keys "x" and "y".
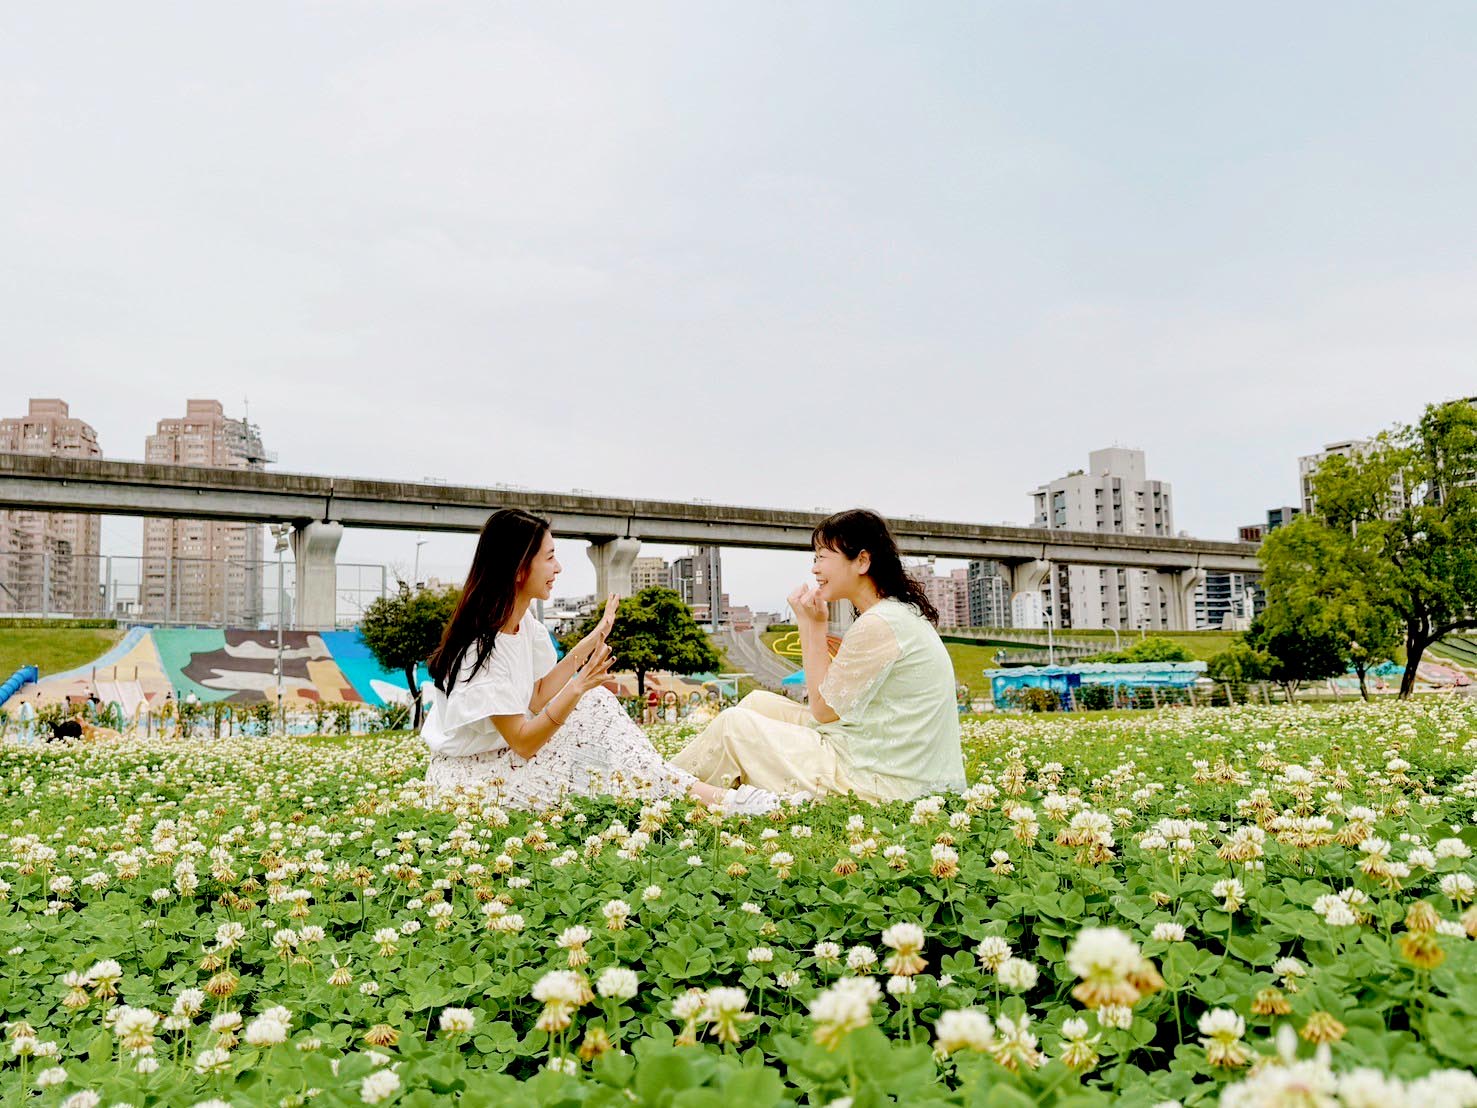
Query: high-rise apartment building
{"x": 195, "y": 570}
{"x": 646, "y": 572}
{"x": 1112, "y": 494}
{"x": 49, "y": 560}
{"x": 989, "y": 594}
{"x": 947, "y": 592}
{"x": 698, "y": 576}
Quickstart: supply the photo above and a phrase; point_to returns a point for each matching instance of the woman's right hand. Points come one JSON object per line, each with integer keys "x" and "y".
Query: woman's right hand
{"x": 596, "y": 671}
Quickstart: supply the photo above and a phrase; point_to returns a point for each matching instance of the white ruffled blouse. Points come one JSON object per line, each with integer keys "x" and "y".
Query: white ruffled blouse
{"x": 460, "y": 724}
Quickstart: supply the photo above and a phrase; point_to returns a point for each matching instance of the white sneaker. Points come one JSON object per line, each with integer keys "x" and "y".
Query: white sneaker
{"x": 749, "y": 800}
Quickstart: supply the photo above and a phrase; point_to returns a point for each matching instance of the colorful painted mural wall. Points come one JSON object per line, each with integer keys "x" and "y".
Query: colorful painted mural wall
{"x": 237, "y": 667}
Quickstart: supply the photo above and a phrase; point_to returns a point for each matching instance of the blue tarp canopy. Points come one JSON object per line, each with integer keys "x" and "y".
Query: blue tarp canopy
{"x": 796, "y": 678}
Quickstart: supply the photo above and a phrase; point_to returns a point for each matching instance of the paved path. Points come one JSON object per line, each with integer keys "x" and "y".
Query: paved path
{"x": 747, "y": 651}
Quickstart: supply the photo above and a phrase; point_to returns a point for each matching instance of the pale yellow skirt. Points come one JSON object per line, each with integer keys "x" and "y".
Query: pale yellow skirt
{"x": 768, "y": 741}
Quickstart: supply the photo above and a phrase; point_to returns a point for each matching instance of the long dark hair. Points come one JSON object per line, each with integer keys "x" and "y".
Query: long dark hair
{"x": 852, "y": 531}
{"x": 509, "y": 541}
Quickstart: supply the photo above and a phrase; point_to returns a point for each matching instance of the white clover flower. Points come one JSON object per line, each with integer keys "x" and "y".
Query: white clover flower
{"x": 616, "y": 983}
{"x": 845, "y": 1006}
{"x": 964, "y": 1029}
{"x": 264, "y": 1031}
{"x": 651, "y": 892}
{"x": 213, "y": 1060}
{"x": 1168, "y": 932}
{"x": 378, "y": 1086}
{"x": 457, "y": 1021}
{"x": 1018, "y": 975}
{"x": 861, "y": 958}
{"x": 992, "y": 952}
{"x": 54, "y": 1075}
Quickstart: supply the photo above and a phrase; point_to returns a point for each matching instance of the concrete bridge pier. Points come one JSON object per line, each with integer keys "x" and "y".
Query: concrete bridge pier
{"x": 315, "y": 550}
{"x": 1029, "y": 576}
{"x": 1182, "y": 585}
{"x": 613, "y": 559}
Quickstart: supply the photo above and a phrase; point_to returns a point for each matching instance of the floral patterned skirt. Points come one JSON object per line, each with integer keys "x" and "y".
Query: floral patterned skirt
{"x": 599, "y": 751}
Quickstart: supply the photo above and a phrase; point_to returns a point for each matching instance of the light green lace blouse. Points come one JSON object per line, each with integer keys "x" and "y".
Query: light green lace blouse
{"x": 892, "y": 684}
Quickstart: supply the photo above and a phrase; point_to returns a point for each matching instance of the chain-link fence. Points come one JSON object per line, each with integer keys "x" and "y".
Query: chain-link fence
{"x": 173, "y": 591}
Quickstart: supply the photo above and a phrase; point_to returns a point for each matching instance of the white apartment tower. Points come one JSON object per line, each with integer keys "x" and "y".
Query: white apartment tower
{"x": 195, "y": 570}
{"x": 1112, "y": 494}
{"x": 49, "y": 560}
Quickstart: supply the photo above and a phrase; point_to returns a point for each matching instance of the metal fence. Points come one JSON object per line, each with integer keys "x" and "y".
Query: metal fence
{"x": 173, "y": 591}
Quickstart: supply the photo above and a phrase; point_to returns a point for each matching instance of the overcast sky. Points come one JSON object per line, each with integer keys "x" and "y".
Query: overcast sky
{"x": 917, "y": 256}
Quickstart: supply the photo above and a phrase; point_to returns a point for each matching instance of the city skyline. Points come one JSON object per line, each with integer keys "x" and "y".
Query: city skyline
{"x": 1104, "y": 461}
{"x": 747, "y": 254}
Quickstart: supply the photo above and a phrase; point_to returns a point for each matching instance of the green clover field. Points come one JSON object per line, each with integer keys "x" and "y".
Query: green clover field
{"x": 1251, "y": 906}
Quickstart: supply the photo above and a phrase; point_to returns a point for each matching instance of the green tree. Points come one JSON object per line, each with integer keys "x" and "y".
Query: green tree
{"x": 1409, "y": 508}
{"x": 401, "y": 631}
{"x": 1153, "y": 648}
{"x": 1295, "y": 654}
{"x": 1238, "y": 666}
{"x": 653, "y": 631}
{"x": 1328, "y": 582}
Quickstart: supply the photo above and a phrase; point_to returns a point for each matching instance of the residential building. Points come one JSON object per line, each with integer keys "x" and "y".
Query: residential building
{"x": 1112, "y": 494}
{"x": 698, "y": 576}
{"x": 49, "y": 560}
{"x": 947, "y": 592}
{"x": 1227, "y": 601}
{"x": 988, "y": 588}
{"x": 1276, "y": 517}
{"x": 648, "y": 572}
{"x": 196, "y": 570}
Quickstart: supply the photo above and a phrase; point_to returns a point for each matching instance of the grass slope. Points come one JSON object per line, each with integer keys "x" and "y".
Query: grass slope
{"x": 54, "y": 649}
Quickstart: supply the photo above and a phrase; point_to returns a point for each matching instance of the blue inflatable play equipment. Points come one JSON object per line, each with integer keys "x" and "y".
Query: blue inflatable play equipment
{"x": 26, "y": 675}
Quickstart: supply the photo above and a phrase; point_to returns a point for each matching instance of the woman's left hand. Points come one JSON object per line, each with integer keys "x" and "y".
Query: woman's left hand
{"x": 808, "y": 606}
{"x": 596, "y": 638}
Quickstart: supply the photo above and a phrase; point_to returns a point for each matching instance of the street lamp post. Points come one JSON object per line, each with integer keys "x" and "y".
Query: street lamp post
{"x": 1050, "y": 638}
{"x": 415, "y": 575}
{"x": 280, "y": 531}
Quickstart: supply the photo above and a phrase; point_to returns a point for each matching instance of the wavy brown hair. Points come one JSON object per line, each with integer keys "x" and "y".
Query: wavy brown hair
{"x": 507, "y": 545}
{"x": 857, "y": 529}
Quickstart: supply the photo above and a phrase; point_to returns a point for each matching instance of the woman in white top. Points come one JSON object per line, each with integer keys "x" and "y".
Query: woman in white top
{"x": 507, "y": 716}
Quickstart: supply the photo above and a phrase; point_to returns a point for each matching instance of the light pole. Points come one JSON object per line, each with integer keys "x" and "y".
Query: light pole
{"x": 415, "y": 574}
{"x": 1117, "y": 642}
{"x": 280, "y": 532}
{"x": 1050, "y": 638}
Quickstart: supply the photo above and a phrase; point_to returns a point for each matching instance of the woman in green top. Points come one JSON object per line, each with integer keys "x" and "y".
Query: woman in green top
{"x": 882, "y": 720}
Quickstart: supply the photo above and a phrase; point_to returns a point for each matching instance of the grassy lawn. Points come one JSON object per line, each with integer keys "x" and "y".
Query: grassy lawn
{"x": 54, "y": 649}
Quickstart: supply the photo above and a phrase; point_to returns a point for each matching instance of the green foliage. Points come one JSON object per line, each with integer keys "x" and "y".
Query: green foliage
{"x": 1152, "y": 648}
{"x": 1094, "y": 698}
{"x": 1328, "y": 582}
{"x": 1033, "y": 700}
{"x": 1238, "y": 666}
{"x": 653, "y": 631}
{"x": 402, "y": 630}
{"x": 345, "y": 814}
{"x": 1296, "y": 654}
{"x": 1405, "y": 516}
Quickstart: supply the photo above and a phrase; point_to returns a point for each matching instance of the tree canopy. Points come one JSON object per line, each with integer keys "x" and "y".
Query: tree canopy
{"x": 653, "y": 631}
{"x": 402, "y": 629}
{"x": 1399, "y": 541}
{"x": 1153, "y": 648}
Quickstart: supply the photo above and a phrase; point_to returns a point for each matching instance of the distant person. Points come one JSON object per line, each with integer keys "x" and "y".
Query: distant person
{"x": 505, "y": 714}
{"x": 882, "y": 721}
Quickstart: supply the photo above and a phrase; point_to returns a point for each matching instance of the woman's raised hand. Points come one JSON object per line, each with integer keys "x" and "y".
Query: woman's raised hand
{"x": 590, "y": 642}
{"x": 808, "y": 606}
{"x": 595, "y": 672}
